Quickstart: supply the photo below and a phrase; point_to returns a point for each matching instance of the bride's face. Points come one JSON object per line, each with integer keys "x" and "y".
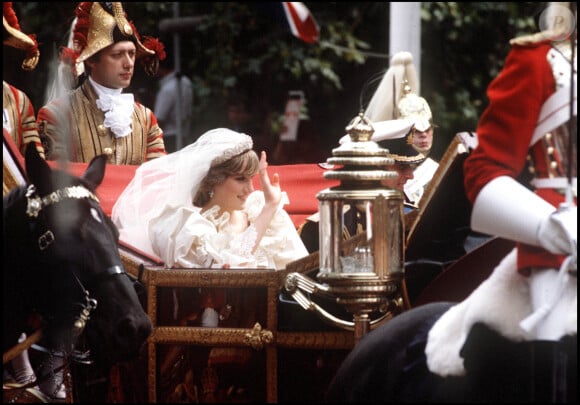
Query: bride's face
{"x": 232, "y": 193}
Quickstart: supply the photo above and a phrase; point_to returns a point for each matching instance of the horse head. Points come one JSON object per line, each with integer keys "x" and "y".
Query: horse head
{"x": 62, "y": 262}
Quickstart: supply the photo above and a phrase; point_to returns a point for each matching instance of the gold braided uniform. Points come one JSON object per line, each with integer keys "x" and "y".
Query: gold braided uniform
{"x": 18, "y": 118}
{"x": 72, "y": 128}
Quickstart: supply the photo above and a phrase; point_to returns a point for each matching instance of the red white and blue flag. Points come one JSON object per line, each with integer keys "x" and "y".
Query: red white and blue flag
{"x": 292, "y": 17}
{"x": 301, "y": 22}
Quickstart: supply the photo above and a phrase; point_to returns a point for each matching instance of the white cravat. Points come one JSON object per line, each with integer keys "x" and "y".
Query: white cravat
{"x": 118, "y": 108}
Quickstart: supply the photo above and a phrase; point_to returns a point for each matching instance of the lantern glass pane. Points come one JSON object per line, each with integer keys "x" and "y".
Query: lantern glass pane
{"x": 361, "y": 234}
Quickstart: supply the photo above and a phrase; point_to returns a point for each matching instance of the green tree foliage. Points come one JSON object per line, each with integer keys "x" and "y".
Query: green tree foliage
{"x": 238, "y": 48}
{"x": 464, "y": 45}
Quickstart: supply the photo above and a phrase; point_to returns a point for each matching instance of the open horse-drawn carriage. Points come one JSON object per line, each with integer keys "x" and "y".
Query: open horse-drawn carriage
{"x": 278, "y": 352}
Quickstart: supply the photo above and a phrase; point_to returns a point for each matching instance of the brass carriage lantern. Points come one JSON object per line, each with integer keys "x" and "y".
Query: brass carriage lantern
{"x": 365, "y": 274}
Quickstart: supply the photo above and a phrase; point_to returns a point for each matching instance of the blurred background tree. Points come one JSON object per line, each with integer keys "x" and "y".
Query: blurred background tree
{"x": 239, "y": 48}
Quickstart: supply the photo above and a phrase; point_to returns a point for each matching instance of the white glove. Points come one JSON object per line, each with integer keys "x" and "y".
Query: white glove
{"x": 23, "y": 371}
{"x": 507, "y": 209}
{"x": 558, "y": 232}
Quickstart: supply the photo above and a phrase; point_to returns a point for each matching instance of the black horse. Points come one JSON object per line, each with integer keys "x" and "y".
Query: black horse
{"x": 388, "y": 365}
{"x": 62, "y": 266}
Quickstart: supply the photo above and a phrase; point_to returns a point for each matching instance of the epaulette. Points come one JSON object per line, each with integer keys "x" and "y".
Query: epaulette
{"x": 534, "y": 39}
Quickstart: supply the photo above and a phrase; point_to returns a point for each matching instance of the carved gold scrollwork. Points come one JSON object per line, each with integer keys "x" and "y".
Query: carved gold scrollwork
{"x": 257, "y": 338}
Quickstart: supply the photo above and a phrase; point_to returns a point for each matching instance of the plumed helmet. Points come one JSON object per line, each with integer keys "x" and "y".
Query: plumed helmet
{"x": 415, "y": 108}
{"x": 101, "y": 24}
{"x": 15, "y": 38}
{"x": 393, "y": 110}
{"x": 383, "y": 103}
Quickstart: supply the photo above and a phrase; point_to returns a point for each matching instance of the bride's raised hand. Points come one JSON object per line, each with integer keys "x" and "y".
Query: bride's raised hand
{"x": 270, "y": 187}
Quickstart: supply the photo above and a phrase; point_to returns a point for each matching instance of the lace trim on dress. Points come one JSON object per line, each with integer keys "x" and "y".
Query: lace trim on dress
{"x": 241, "y": 244}
{"x": 244, "y": 242}
{"x": 213, "y": 216}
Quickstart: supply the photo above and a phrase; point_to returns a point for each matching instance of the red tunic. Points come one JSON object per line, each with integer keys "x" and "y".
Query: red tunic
{"x": 505, "y": 130}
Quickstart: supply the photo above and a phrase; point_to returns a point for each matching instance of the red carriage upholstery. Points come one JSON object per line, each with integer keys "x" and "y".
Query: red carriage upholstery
{"x": 300, "y": 181}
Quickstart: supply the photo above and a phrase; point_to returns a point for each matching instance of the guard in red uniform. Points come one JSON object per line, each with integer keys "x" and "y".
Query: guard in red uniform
{"x": 521, "y": 179}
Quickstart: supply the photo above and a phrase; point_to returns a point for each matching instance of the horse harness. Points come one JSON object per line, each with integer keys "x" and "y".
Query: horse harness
{"x": 35, "y": 205}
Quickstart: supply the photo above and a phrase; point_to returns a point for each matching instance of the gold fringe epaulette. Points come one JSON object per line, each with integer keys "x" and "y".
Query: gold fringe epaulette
{"x": 532, "y": 39}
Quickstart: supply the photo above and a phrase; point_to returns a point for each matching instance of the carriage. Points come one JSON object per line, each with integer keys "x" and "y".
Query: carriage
{"x": 279, "y": 353}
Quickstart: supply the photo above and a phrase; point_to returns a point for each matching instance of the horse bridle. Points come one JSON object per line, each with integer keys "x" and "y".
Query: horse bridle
{"x": 35, "y": 204}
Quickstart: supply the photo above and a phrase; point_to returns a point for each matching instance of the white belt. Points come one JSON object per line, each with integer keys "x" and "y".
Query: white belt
{"x": 555, "y": 112}
{"x": 555, "y": 182}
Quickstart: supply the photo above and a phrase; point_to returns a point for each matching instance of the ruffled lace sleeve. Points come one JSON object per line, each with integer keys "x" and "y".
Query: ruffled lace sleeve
{"x": 281, "y": 243}
{"x": 184, "y": 238}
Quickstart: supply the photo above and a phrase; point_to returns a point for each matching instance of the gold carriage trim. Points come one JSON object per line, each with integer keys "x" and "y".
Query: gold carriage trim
{"x": 36, "y": 204}
{"x": 257, "y": 337}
